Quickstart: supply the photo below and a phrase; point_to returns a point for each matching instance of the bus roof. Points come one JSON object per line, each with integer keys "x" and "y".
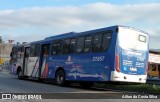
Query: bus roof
{"x": 60, "y": 35}
{"x": 74, "y": 34}
{"x": 70, "y": 34}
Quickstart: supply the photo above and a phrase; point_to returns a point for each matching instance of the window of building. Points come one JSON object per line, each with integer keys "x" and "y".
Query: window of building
{"x": 154, "y": 67}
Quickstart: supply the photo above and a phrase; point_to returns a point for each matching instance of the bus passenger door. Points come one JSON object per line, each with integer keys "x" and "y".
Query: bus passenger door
{"x": 25, "y": 60}
{"x": 45, "y": 50}
{"x": 33, "y": 61}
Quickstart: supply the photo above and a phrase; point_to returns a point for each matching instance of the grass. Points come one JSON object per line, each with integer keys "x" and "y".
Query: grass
{"x": 142, "y": 88}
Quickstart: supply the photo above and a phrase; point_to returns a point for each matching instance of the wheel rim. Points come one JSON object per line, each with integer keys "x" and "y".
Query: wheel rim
{"x": 20, "y": 74}
{"x": 60, "y": 79}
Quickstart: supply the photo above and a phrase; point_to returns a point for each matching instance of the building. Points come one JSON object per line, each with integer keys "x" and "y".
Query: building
{"x": 154, "y": 64}
{"x": 5, "y": 50}
{"x": 0, "y": 39}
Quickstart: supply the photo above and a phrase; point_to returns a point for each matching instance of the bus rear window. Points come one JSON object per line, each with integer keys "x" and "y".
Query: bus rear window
{"x": 142, "y": 38}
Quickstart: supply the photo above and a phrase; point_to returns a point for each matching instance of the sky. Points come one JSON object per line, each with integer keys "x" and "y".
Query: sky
{"x": 32, "y": 20}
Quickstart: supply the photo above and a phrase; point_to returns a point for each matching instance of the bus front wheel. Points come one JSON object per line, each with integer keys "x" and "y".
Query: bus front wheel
{"x": 20, "y": 74}
{"x": 60, "y": 78}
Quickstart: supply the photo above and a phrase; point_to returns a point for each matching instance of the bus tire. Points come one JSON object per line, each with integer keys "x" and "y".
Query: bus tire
{"x": 86, "y": 84}
{"x": 20, "y": 74}
{"x": 60, "y": 78}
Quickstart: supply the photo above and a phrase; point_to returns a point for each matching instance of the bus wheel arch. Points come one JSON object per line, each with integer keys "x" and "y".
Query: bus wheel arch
{"x": 60, "y": 76}
{"x": 18, "y": 69}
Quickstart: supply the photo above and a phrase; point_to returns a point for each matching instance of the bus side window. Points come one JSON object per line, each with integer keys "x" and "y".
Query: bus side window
{"x": 56, "y": 47}
{"x": 37, "y": 50}
{"x": 106, "y": 40}
{"x": 27, "y": 52}
{"x": 72, "y": 45}
{"x": 59, "y": 47}
{"x": 46, "y": 49}
{"x": 80, "y": 45}
{"x": 97, "y": 42}
{"x": 19, "y": 51}
{"x": 32, "y": 50}
{"x": 87, "y": 43}
{"x": 66, "y": 47}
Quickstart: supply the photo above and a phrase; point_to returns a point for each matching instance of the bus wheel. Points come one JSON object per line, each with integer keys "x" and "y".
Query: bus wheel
{"x": 60, "y": 78}
{"x": 20, "y": 74}
{"x": 86, "y": 84}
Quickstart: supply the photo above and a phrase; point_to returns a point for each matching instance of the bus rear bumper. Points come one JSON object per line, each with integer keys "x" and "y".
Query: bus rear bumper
{"x": 120, "y": 77}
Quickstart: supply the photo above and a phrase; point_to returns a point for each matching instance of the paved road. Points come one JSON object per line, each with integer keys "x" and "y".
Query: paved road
{"x": 154, "y": 80}
{"x": 11, "y": 84}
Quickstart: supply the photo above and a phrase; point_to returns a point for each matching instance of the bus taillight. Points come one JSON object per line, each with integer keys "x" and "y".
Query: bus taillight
{"x": 117, "y": 63}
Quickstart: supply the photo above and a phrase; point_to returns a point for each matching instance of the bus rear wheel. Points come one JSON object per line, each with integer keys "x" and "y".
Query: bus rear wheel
{"x": 60, "y": 78}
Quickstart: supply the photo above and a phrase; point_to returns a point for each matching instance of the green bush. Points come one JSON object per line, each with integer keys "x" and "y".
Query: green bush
{"x": 142, "y": 88}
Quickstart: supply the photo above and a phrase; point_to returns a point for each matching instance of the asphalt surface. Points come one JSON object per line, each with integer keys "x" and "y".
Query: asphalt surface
{"x": 10, "y": 84}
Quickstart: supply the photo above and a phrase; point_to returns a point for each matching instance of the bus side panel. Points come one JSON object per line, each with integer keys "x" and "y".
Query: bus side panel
{"x": 85, "y": 66}
{"x": 55, "y": 62}
{"x": 44, "y": 67}
{"x": 32, "y": 67}
{"x": 97, "y": 66}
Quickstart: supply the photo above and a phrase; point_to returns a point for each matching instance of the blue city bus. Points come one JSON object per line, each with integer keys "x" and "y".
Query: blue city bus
{"x": 111, "y": 54}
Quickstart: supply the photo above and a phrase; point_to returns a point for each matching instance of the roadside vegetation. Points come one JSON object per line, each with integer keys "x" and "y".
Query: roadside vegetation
{"x": 142, "y": 88}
